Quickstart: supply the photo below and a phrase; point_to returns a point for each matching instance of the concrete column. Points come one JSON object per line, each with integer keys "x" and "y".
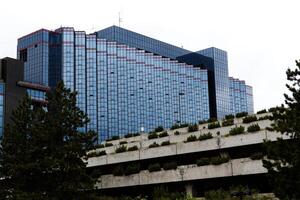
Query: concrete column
{"x": 189, "y": 189}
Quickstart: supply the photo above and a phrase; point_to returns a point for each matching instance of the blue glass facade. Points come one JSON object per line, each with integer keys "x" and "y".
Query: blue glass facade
{"x": 249, "y": 98}
{"x": 133, "y": 39}
{"x": 122, "y": 88}
{"x": 241, "y": 97}
{"x": 220, "y": 70}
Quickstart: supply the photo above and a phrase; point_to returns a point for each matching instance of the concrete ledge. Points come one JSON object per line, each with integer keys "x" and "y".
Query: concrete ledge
{"x": 236, "y": 167}
{"x": 123, "y": 157}
{"x": 161, "y": 151}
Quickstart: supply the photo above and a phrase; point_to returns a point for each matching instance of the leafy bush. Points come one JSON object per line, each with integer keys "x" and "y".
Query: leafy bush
{"x": 227, "y": 122}
{"x": 170, "y": 165}
{"x": 98, "y": 146}
{"x": 184, "y": 125}
{"x": 212, "y": 120}
{"x": 205, "y": 136}
{"x": 253, "y": 128}
{"x": 121, "y": 149}
{"x": 241, "y": 114}
{"x": 165, "y": 143}
{"x": 107, "y": 144}
{"x": 213, "y": 125}
{"x": 133, "y": 148}
{"x": 115, "y": 137}
{"x": 191, "y": 138}
{"x": 223, "y": 158}
{"x": 176, "y": 133}
{"x": 249, "y": 119}
{"x": 229, "y": 116}
{"x": 193, "y": 128}
{"x": 153, "y": 145}
{"x": 154, "y": 167}
{"x": 128, "y": 135}
{"x": 136, "y": 134}
{"x": 269, "y": 129}
{"x": 96, "y": 154}
{"x": 219, "y": 194}
{"x": 122, "y": 142}
{"x": 175, "y": 126}
{"x": 152, "y": 136}
{"x": 203, "y": 161}
{"x": 118, "y": 170}
{"x": 163, "y": 134}
{"x": 262, "y": 111}
{"x": 257, "y": 156}
{"x": 158, "y": 129}
{"x": 132, "y": 169}
{"x": 265, "y": 117}
{"x": 202, "y": 122}
{"x": 237, "y": 130}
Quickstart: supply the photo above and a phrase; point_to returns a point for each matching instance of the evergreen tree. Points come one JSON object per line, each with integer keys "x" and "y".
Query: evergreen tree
{"x": 283, "y": 156}
{"x": 43, "y": 153}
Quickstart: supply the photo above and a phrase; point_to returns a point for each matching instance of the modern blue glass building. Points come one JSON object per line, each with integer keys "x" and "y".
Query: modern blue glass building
{"x": 123, "y": 89}
{"x": 241, "y": 98}
{"x": 128, "y": 82}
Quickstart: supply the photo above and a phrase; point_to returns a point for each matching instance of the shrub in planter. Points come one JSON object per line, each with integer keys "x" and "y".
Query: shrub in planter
{"x": 123, "y": 142}
{"x": 227, "y": 122}
{"x": 159, "y": 129}
{"x": 223, "y": 158}
{"x": 269, "y": 129}
{"x": 175, "y": 126}
{"x": 229, "y": 117}
{"x": 176, "y": 133}
{"x": 154, "y": 167}
{"x": 107, "y": 144}
{"x": 163, "y": 134}
{"x": 237, "y": 130}
{"x": 257, "y": 156}
{"x": 262, "y": 111}
{"x": 184, "y": 125}
{"x": 248, "y": 119}
{"x": 121, "y": 149}
{"x": 115, "y": 137}
{"x": 205, "y": 136}
{"x": 132, "y": 169}
{"x": 191, "y": 138}
{"x": 128, "y": 135}
{"x": 133, "y": 148}
{"x": 153, "y": 145}
{"x": 118, "y": 170}
{"x": 152, "y": 136}
{"x": 170, "y": 165}
{"x": 193, "y": 128}
{"x": 212, "y": 120}
{"x": 136, "y": 134}
{"x": 265, "y": 117}
{"x": 253, "y": 128}
{"x": 98, "y": 146}
{"x": 165, "y": 143}
{"x": 213, "y": 125}
{"x": 202, "y": 122}
{"x": 241, "y": 114}
{"x": 203, "y": 161}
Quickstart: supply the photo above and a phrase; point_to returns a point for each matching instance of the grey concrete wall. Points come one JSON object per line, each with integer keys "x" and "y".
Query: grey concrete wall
{"x": 236, "y": 167}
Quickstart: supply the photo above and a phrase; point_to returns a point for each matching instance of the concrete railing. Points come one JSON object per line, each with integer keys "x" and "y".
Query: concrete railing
{"x": 236, "y": 167}
{"x": 183, "y": 148}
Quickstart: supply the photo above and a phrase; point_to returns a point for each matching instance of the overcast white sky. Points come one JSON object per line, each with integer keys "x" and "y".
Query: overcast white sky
{"x": 262, "y": 37}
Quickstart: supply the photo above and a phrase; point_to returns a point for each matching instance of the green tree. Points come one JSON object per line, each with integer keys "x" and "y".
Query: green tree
{"x": 283, "y": 156}
{"x": 43, "y": 151}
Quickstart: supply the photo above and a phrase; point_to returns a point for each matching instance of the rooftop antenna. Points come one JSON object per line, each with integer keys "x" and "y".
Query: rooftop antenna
{"x": 120, "y": 19}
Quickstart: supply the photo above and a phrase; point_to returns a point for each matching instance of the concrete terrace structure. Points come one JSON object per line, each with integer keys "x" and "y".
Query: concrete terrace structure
{"x": 243, "y": 167}
{"x": 128, "y": 82}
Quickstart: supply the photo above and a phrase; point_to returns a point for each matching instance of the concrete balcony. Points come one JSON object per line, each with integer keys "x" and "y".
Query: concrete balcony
{"x": 236, "y": 167}
{"x": 184, "y": 148}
